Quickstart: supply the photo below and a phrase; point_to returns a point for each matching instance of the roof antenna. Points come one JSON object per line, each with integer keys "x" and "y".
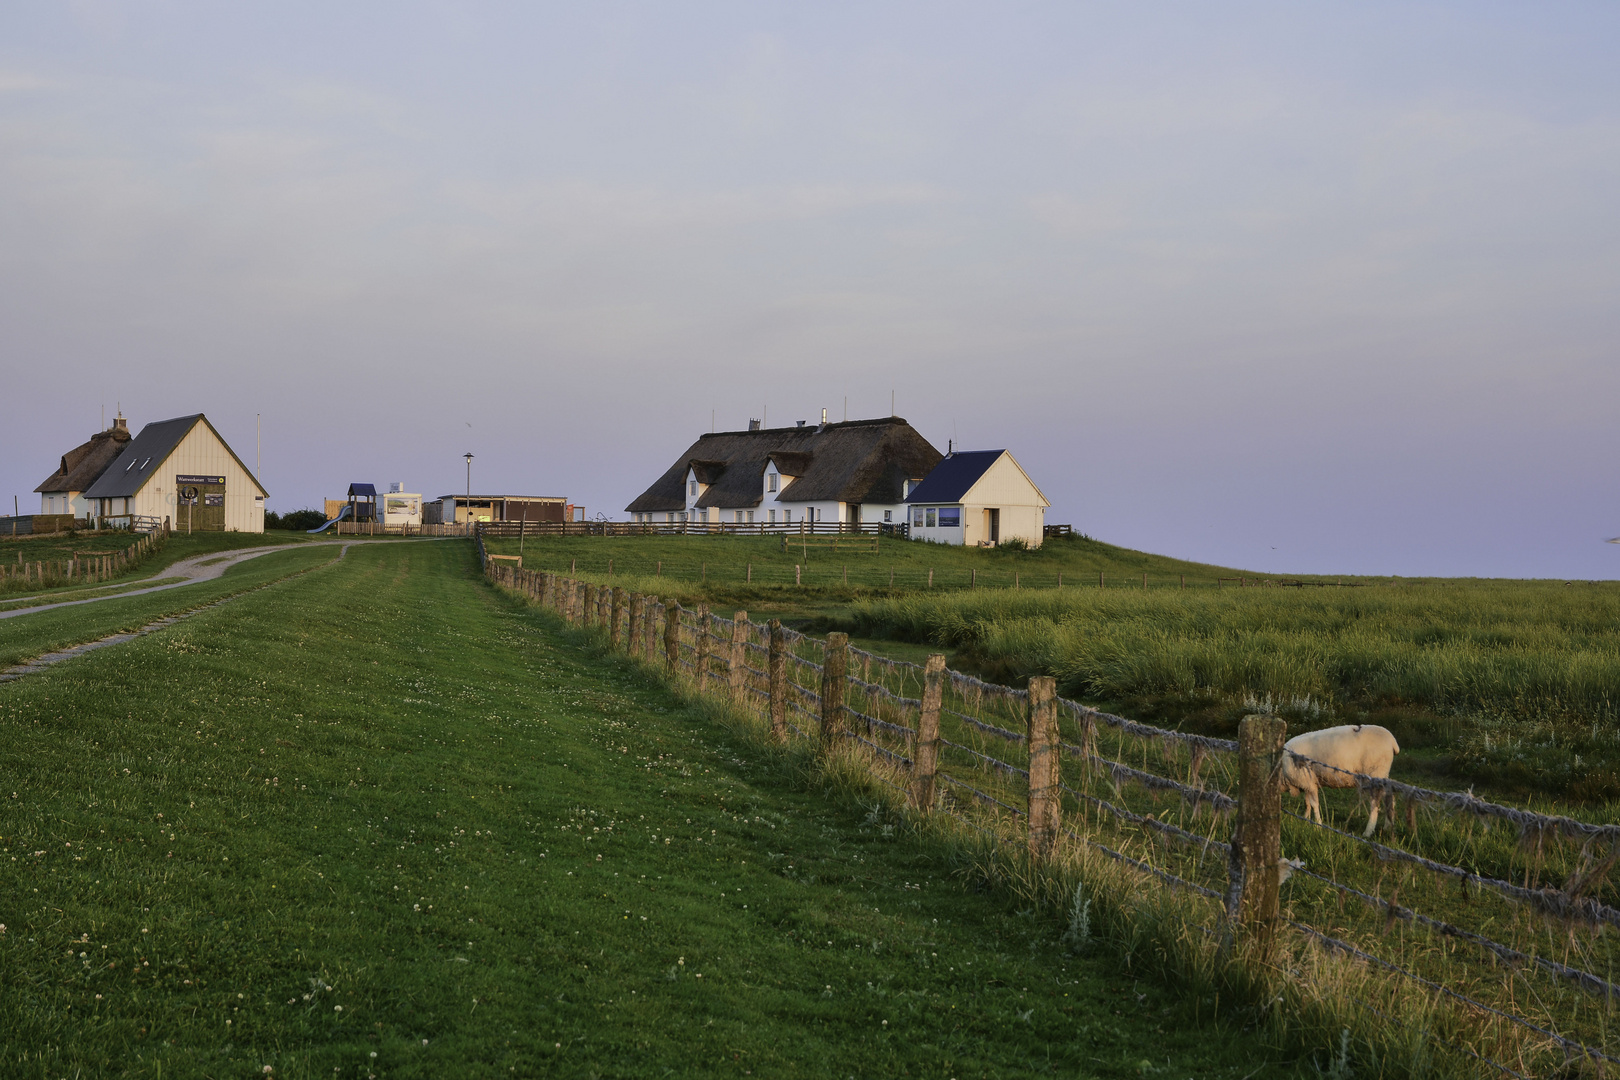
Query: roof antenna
{"x": 950, "y": 447}
{"x": 891, "y": 402}
{"x": 846, "y": 408}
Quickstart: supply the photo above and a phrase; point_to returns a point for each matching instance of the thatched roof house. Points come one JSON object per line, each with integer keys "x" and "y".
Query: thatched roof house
{"x": 856, "y": 471}
{"x": 80, "y": 468}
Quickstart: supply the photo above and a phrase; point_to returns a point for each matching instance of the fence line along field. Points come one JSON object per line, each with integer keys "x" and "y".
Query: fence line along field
{"x": 1504, "y": 684}
{"x": 1481, "y": 927}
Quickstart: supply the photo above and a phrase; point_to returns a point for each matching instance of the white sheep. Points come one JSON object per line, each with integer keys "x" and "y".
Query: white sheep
{"x": 1353, "y": 748}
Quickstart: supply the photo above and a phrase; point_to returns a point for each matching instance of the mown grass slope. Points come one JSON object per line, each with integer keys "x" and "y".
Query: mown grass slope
{"x": 380, "y": 821}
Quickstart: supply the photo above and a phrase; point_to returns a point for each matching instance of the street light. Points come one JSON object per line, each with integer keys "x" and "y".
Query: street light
{"x": 469, "y": 475}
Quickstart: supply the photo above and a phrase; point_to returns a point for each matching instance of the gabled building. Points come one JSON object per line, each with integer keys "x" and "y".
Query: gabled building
{"x": 62, "y": 492}
{"x": 856, "y": 472}
{"x": 183, "y": 471}
{"x": 979, "y": 498}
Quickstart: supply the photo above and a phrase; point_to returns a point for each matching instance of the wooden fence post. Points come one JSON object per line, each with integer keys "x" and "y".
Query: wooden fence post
{"x": 1045, "y": 770}
{"x": 926, "y": 760}
{"x": 638, "y": 605}
{"x": 1257, "y": 837}
{"x": 649, "y": 633}
{"x": 736, "y": 671}
{"x": 834, "y": 678}
{"x": 703, "y": 648}
{"x": 591, "y": 605}
{"x": 579, "y": 603}
{"x": 617, "y": 624}
{"x": 777, "y": 670}
{"x": 672, "y": 637}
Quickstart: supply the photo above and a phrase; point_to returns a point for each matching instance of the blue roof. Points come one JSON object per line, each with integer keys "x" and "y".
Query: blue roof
{"x": 367, "y": 490}
{"x": 954, "y": 476}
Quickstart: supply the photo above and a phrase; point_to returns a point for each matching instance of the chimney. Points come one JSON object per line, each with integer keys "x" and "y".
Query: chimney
{"x": 823, "y": 417}
{"x": 801, "y": 423}
{"x": 753, "y": 425}
{"x": 120, "y": 424}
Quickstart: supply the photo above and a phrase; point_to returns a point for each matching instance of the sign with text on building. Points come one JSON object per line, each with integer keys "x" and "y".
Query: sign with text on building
{"x": 187, "y": 479}
{"x": 213, "y": 500}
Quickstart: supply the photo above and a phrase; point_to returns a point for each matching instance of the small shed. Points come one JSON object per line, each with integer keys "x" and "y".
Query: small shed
{"x": 979, "y": 498}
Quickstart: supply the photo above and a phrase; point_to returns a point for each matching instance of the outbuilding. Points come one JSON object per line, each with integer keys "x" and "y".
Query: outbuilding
{"x": 183, "y": 471}
{"x": 979, "y": 498}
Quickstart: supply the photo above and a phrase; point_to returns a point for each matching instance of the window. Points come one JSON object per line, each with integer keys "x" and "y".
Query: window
{"x": 739, "y": 517}
{"x": 950, "y": 517}
{"x": 773, "y": 516}
{"x": 916, "y": 517}
{"x": 691, "y": 487}
{"x": 930, "y": 521}
{"x": 787, "y": 517}
{"x": 888, "y": 515}
{"x": 770, "y": 482}
{"x": 750, "y": 517}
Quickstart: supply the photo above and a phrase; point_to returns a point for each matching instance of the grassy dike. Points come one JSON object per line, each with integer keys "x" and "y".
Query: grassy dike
{"x": 380, "y": 821}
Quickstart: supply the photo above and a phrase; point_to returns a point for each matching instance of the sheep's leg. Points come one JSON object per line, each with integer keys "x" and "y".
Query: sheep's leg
{"x": 1372, "y": 818}
{"x": 1313, "y": 807}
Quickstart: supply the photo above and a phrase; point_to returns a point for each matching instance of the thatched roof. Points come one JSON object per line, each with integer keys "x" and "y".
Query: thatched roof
{"x": 82, "y": 465}
{"x": 859, "y": 461}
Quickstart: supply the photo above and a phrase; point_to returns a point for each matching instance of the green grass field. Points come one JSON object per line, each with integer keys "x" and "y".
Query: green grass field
{"x": 1509, "y": 685}
{"x": 176, "y": 547}
{"x": 380, "y": 821}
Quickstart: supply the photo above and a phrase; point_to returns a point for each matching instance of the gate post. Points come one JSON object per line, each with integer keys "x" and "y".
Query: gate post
{"x": 649, "y": 632}
{"x": 834, "y": 678}
{"x": 1257, "y": 837}
{"x": 672, "y": 637}
{"x": 926, "y": 762}
{"x": 703, "y": 648}
{"x": 638, "y": 605}
{"x": 616, "y": 622}
{"x": 1045, "y": 770}
{"x": 736, "y": 672}
{"x": 777, "y": 670}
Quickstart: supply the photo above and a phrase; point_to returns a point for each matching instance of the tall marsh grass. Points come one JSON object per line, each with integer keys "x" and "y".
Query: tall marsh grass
{"x": 1518, "y": 650}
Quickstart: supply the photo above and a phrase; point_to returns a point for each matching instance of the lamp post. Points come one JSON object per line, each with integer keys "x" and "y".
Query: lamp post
{"x": 469, "y": 458}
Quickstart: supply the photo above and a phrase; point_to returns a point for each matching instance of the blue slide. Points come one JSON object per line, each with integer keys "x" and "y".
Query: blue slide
{"x": 343, "y": 515}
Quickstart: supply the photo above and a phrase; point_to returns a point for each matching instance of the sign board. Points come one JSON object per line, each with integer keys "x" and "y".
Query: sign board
{"x": 187, "y": 479}
{"x": 213, "y": 500}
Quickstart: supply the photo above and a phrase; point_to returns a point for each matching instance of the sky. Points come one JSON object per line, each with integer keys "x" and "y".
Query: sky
{"x": 1297, "y": 288}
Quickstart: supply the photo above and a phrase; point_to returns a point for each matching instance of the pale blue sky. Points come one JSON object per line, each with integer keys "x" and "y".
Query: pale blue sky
{"x": 1288, "y": 287}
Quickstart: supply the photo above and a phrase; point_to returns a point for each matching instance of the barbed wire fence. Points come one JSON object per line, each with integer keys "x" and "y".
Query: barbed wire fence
{"x": 1199, "y": 815}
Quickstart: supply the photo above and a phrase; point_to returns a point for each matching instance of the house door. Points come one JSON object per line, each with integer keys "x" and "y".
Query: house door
{"x": 202, "y": 504}
{"x": 992, "y": 524}
{"x": 854, "y": 513}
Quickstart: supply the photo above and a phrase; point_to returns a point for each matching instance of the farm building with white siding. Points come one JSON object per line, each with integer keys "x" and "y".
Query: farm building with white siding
{"x": 979, "y": 498}
{"x": 183, "y": 471}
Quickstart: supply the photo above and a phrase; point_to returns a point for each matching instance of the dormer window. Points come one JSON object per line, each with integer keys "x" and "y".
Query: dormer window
{"x": 771, "y": 480}
{"x": 691, "y": 488}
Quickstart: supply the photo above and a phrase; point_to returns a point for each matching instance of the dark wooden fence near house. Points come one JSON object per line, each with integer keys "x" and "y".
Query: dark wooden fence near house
{"x": 84, "y": 568}
{"x": 513, "y": 529}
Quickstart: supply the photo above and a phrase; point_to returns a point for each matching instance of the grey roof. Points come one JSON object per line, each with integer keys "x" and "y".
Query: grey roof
{"x": 954, "y": 477}
{"x": 859, "y": 461}
{"x": 147, "y": 452}
{"x": 364, "y": 491}
{"x": 82, "y": 465}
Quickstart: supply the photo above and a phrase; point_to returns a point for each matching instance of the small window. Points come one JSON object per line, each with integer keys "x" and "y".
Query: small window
{"x": 145, "y": 463}
{"x": 691, "y": 487}
{"x": 770, "y": 482}
{"x": 916, "y": 517}
{"x": 750, "y": 517}
{"x": 773, "y": 516}
{"x": 950, "y": 517}
{"x": 930, "y": 522}
{"x": 787, "y": 517}
{"x": 130, "y": 466}
{"x": 888, "y": 515}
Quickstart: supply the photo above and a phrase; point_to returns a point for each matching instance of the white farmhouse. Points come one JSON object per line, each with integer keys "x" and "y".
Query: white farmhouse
{"x": 855, "y": 473}
{"x": 63, "y": 491}
{"x": 978, "y": 498}
{"x": 181, "y": 470}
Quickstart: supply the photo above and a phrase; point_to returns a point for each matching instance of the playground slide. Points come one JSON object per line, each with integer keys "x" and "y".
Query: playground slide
{"x": 343, "y": 515}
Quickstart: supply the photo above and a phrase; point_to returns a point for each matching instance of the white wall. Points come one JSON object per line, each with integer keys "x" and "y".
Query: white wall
{"x": 200, "y": 454}
{"x": 1005, "y": 487}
